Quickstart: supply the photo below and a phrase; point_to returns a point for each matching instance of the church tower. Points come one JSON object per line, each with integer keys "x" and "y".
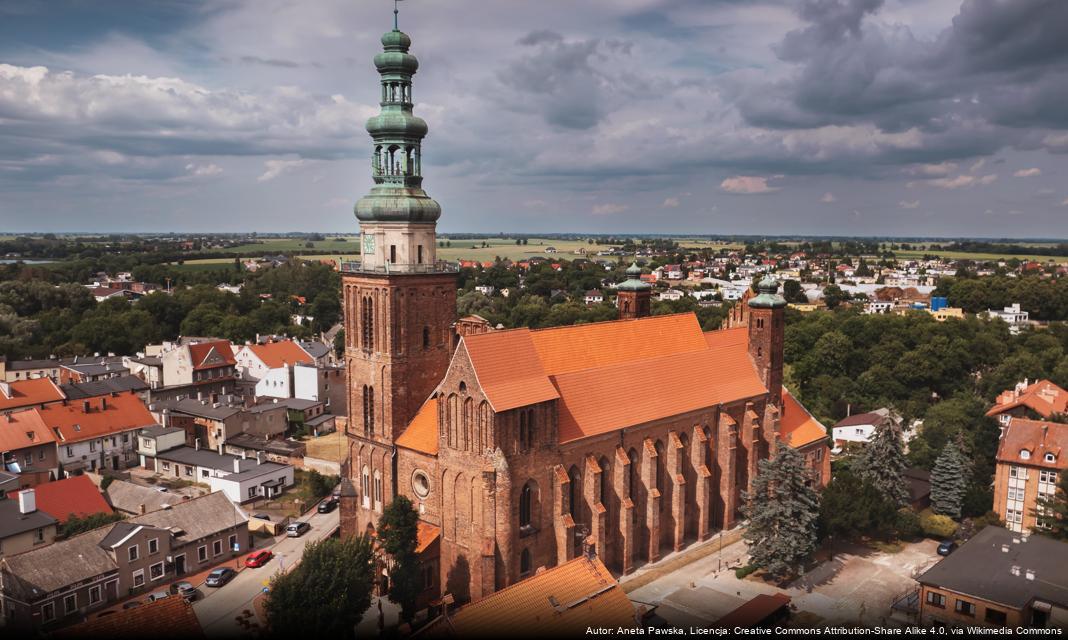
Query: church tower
{"x": 399, "y": 302}
{"x": 634, "y": 297}
{"x": 766, "y": 336}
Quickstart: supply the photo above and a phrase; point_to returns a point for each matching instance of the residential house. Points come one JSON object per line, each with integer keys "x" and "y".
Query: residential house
{"x": 672, "y": 294}
{"x": 1012, "y": 315}
{"x": 28, "y": 448}
{"x": 322, "y": 383}
{"x": 91, "y": 369}
{"x": 199, "y": 362}
{"x": 44, "y": 589}
{"x": 254, "y": 361}
{"x": 1031, "y": 456}
{"x": 147, "y": 368}
{"x": 15, "y": 370}
{"x": 1000, "y": 579}
{"x": 485, "y": 289}
{"x": 1042, "y": 400}
{"x": 240, "y": 477}
{"x": 594, "y": 296}
{"x": 27, "y": 393}
{"x": 560, "y": 602}
{"x": 213, "y": 418}
{"x": 321, "y": 353}
{"x": 122, "y": 384}
{"x": 69, "y": 498}
{"x": 23, "y": 527}
{"x": 878, "y": 307}
{"x": 860, "y": 427}
{"x": 135, "y": 500}
{"x": 282, "y": 451}
{"x": 97, "y": 433}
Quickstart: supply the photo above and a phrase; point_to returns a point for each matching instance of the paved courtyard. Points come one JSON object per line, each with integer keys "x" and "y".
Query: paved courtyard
{"x": 856, "y": 586}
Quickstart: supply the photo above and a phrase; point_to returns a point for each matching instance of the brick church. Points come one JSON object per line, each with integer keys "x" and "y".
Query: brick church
{"x": 524, "y": 448}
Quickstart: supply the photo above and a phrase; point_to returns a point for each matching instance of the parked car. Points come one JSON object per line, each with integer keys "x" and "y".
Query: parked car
{"x": 132, "y": 604}
{"x": 262, "y": 516}
{"x": 258, "y": 558}
{"x": 185, "y": 589}
{"x": 947, "y": 547}
{"x": 297, "y": 529}
{"x": 219, "y": 577}
{"x": 159, "y": 595}
{"x": 161, "y": 489}
{"x": 328, "y": 505}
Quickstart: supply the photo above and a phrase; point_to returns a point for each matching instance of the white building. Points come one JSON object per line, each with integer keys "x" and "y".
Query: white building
{"x": 240, "y": 477}
{"x": 878, "y": 307}
{"x": 1012, "y": 315}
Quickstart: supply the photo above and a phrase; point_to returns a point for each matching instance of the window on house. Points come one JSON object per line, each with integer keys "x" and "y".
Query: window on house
{"x": 153, "y": 546}
{"x": 94, "y": 594}
{"x": 70, "y": 603}
{"x": 29, "y": 459}
{"x": 70, "y": 452}
{"x": 993, "y": 616}
{"x": 216, "y": 547}
{"x": 419, "y": 252}
{"x": 38, "y": 535}
{"x": 936, "y": 599}
{"x": 166, "y": 466}
{"x": 48, "y": 612}
{"x": 233, "y": 544}
{"x": 133, "y": 553}
{"x": 393, "y": 253}
{"x": 139, "y": 578}
{"x": 155, "y": 572}
{"x": 964, "y": 607}
{"x": 202, "y": 553}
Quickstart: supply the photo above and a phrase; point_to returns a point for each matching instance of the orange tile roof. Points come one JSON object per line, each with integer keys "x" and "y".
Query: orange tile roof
{"x": 1042, "y": 397}
{"x": 23, "y": 429}
{"x": 1038, "y": 438}
{"x": 584, "y": 346}
{"x": 74, "y": 496}
{"x": 26, "y": 393}
{"x": 208, "y": 355}
{"x": 277, "y": 354}
{"x": 70, "y": 423}
{"x": 508, "y": 368}
{"x": 168, "y": 618}
{"x": 422, "y": 432}
{"x": 556, "y": 603}
{"x": 797, "y": 426}
{"x": 600, "y": 400}
{"x": 425, "y": 536}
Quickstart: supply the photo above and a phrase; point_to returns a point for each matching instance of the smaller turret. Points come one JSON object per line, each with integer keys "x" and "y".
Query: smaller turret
{"x": 635, "y": 296}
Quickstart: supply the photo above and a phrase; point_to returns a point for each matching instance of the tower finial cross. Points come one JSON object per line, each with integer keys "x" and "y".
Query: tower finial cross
{"x": 396, "y": 11}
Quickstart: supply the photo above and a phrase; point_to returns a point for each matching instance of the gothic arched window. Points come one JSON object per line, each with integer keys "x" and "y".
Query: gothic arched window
{"x": 524, "y": 562}
{"x": 526, "y": 506}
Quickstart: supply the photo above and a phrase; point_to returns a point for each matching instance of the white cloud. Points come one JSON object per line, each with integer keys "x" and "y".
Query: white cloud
{"x": 670, "y": 203}
{"x": 828, "y": 197}
{"x": 747, "y": 185}
{"x": 608, "y": 208}
{"x": 275, "y": 168}
{"x": 1028, "y": 173}
{"x": 977, "y": 166}
{"x": 957, "y": 182}
{"x": 931, "y": 170}
{"x": 203, "y": 170}
{"x": 906, "y": 204}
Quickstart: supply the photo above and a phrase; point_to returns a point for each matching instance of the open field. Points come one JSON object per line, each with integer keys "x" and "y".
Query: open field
{"x": 331, "y": 447}
{"x": 964, "y": 255}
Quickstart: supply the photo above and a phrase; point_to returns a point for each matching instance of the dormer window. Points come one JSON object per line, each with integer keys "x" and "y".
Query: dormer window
{"x": 1025, "y": 454}
{"x": 1050, "y": 457}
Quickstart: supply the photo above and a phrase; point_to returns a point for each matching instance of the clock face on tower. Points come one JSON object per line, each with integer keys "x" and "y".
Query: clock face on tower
{"x": 368, "y": 244}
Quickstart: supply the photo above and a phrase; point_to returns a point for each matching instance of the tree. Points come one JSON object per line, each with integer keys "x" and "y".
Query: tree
{"x": 851, "y": 506}
{"x": 327, "y": 594}
{"x": 834, "y": 296}
{"x": 783, "y": 512}
{"x": 80, "y": 524}
{"x": 1052, "y": 511}
{"x": 398, "y": 530}
{"x": 883, "y": 462}
{"x": 949, "y": 481}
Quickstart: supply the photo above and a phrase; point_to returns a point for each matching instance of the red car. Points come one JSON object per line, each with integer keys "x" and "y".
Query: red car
{"x": 258, "y": 558}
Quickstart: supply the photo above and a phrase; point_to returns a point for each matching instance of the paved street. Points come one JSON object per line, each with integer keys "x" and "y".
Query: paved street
{"x": 219, "y": 609}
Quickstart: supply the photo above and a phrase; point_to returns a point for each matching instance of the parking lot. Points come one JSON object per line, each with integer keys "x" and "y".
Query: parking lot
{"x": 856, "y": 585}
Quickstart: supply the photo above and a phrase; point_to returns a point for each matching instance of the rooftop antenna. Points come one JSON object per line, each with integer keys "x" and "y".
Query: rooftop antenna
{"x": 395, "y": 12}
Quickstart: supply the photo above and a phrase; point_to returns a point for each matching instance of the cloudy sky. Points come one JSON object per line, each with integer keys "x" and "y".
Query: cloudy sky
{"x": 833, "y": 117}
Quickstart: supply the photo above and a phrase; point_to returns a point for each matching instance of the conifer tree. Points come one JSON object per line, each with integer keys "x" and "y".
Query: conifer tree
{"x": 398, "y": 530}
{"x": 949, "y": 481}
{"x": 883, "y": 462}
{"x": 783, "y": 512}
{"x": 1052, "y": 511}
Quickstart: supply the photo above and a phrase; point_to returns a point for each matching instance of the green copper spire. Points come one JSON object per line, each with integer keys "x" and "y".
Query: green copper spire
{"x": 767, "y": 295}
{"x": 396, "y": 163}
{"x": 634, "y": 280}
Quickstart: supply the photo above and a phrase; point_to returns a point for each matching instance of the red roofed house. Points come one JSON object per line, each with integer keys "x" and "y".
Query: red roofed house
{"x": 199, "y": 362}
{"x": 64, "y": 499}
{"x": 1031, "y": 456}
{"x": 806, "y": 434}
{"x": 28, "y": 393}
{"x": 97, "y": 433}
{"x": 526, "y": 448}
{"x": 256, "y": 360}
{"x": 1041, "y": 400}
{"x": 27, "y": 448}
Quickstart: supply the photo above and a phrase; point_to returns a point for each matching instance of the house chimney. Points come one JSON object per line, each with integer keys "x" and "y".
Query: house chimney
{"x": 27, "y": 501}
{"x": 237, "y": 465}
{"x": 220, "y": 448}
{"x": 196, "y": 444}
{"x": 259, "y": 457}
{"x": 142, "y": 509}
{"x": 244, "y": 454}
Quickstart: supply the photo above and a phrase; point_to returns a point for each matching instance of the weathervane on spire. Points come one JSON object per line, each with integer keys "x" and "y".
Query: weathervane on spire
{"x": 396, "y": 11}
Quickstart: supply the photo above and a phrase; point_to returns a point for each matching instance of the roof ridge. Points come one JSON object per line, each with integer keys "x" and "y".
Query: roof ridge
{"x": 599, "y": 322}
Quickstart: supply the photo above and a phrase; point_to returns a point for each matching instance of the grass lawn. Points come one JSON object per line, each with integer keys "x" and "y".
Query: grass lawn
{"x": 964, "y": 255}
{"x": 330, "y": 447}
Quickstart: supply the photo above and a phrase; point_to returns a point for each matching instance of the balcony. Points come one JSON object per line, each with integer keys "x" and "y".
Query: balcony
{"x": 439, "y": 267}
